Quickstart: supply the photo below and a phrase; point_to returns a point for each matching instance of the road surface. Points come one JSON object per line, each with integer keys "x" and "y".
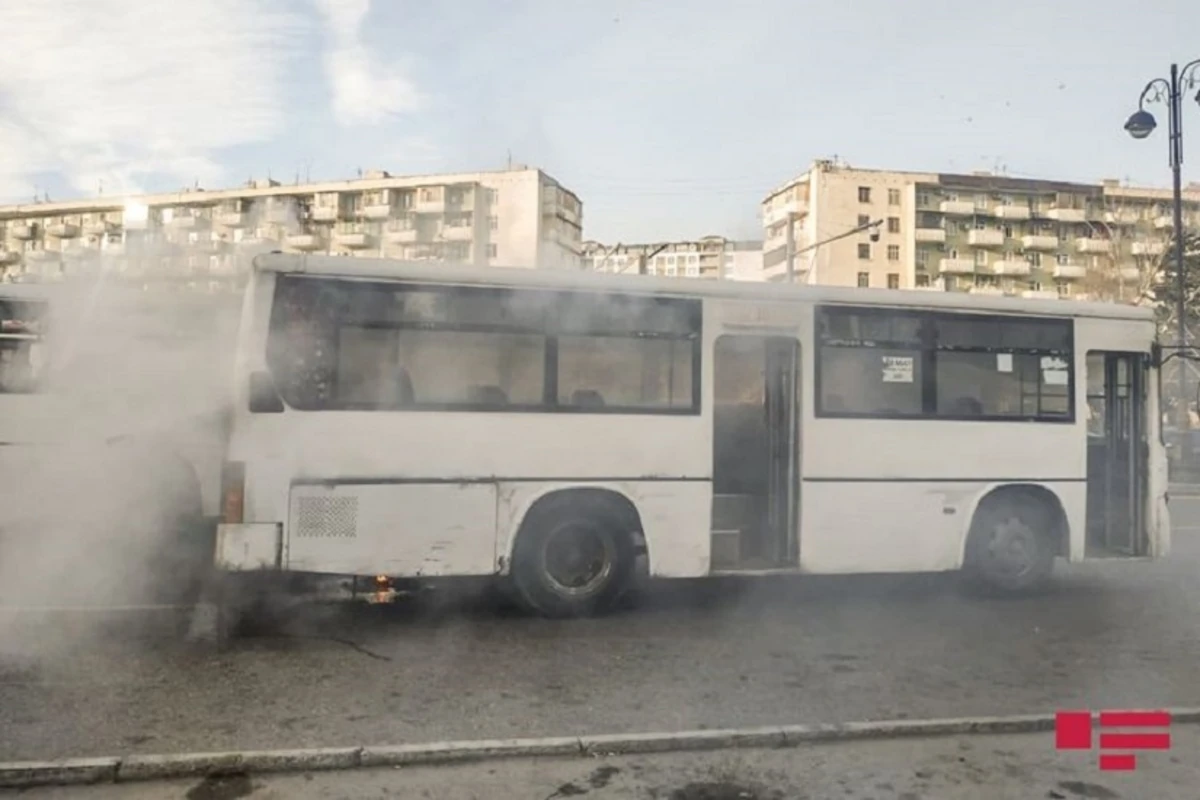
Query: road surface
{"x": 810, "y": 650}
{"x": 977, "y": 768}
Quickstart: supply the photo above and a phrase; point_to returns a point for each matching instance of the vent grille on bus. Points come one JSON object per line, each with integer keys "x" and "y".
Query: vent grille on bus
{"x": 327, "y": 517}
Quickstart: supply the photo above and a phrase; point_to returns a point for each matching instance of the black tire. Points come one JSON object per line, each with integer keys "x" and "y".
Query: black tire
{"x": 598, "y": 562}
{"x": 1011, "y": 546}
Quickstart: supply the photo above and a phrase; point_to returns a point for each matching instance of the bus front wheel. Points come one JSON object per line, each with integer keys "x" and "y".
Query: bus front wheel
{"x": 1011, "y": 546}
{"x": 571, "y": 559}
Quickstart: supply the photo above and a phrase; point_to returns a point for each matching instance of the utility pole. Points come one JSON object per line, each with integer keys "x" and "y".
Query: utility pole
{"x": 792, "y": 252}
{"x": 1140, "y": 125}
{"x": 644, "y": 258}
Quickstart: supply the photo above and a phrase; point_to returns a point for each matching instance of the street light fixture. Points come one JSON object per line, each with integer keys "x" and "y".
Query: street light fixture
{"x": 1140, "y": 125}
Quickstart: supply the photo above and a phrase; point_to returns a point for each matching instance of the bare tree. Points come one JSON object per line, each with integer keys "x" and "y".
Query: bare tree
{"x": 1127, "y": 255}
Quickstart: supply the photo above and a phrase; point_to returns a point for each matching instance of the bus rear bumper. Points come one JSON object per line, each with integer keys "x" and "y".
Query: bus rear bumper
{"x": 248, "y": 547}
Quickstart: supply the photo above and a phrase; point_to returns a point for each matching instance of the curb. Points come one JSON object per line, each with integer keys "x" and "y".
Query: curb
{"x": 126, "y": 769}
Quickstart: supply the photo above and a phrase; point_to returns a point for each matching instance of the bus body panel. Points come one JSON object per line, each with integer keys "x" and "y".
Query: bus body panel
{"x": 905, "y": 526}
{"x": 674, "y": 518}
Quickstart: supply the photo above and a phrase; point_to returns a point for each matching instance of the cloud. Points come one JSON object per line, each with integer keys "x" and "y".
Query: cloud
{"x": 114, "y": 91}
{"x": 365, "y": 92}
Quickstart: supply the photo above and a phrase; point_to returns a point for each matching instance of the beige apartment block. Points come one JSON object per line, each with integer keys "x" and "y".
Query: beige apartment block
{"x": 709, "y": 257}
{"x": 518, "y": 217}
{"x": 982, "y": 232}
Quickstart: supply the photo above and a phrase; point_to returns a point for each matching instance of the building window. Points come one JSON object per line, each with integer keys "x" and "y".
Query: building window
{"x": 893, "y": 197}
{"x": 893, "y": 224}
{"x": 1033, "y": 259}
{"x": 864, "y": 194}
{"x": 951, "y": 227}
{"x": 864, "y": 251}
{"x": 493, "y": 222}
{"x": 893, "y": 280}
{"x": 922, "y": 258}
{"x": 493, "y": 251}
{"x": 692, "y": 270}
{"x": 1062, "y": 259}
{"x": 1008, "y": 231}
{"x": 864, "y": 220}
{"x": 922, "y": 279}
{"x": 864, "y": 280}
{"x": 878, "y": 362}
{"x": 981, "y": 258}
{"x": 1063, "y": 288}
{"x": 893, "y": 252}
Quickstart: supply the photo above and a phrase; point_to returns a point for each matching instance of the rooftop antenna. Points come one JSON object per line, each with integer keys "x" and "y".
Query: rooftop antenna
{"x": 510, "y": 159}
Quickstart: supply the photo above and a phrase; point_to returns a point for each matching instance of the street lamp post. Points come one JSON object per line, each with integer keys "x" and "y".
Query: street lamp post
{"x": 1140, "y": 125}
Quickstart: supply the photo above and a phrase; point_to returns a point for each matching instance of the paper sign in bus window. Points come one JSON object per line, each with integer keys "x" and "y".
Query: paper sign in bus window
{"x": 897, "y": 369}
{"x": 1055, "y": 371}
{"x": 1004, "y": 362}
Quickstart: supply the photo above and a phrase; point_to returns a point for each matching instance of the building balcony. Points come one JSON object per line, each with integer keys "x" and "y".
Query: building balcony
{"x": 396, "y": 235}
{"x": 1130, "y": 274}
{"x": 1015, "y": 268}
{"x": 99, "y": 227}
{"x": 323, "y": 213}
{"x": 1038, "y": 242}
{"x": 957, "y": 266}
{"x": 937, "y": 235}
{"x": 377, "y": 211}
{"x": 780, "y": 212}
{"x": 1124, "y": 216}
{"x": 304, "y": 241}
{"x": 1164, "y": 222}
{"x": 1066, "y": 214}
{"x": 187, "y": 222}
{"x": 1093, "y": 245}
{"x": 232, "y": 219}
{"x": 42, "y": 256}
{"x": 1012, "y": 212}
{"x": 1070, "y": 271}
{"x": 354, "y": 239}
{"x": 458, "y": 233}
{"x": 21, "y": 230}
{"x": 9, "y": 257}
{"x": 1148, "y": 248}
{"x": 136, "y": 223}
{"x": 62, "y": 230}
{"x": 960, "y": 208}
{"x": 986, "y": 238}
{"x": 435, "y": 205}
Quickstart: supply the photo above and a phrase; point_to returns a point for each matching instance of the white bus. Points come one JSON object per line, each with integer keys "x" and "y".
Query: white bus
{"x": 406, "y": 420}
{"x": 113, "y": 410}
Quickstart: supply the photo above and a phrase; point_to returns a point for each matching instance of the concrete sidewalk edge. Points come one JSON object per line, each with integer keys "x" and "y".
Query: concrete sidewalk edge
{"x": 124, "y": 769}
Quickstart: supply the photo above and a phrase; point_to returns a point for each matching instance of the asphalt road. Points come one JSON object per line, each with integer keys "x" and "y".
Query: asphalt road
{"x": 785, "y": 651}
{"x": 969, "y": 768}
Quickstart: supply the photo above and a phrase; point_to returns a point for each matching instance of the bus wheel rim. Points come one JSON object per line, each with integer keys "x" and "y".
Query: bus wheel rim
{"x": 578, "y": 559}
{"x": 1012, "y": 548}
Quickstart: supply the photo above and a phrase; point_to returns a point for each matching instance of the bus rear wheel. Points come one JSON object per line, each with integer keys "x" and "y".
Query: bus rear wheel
{"x": 1011, "y": 546}
{"x": 571, "y": 560}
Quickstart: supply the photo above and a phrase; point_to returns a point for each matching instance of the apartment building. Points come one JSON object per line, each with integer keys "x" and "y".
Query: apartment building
{"x": 518, "y": 217}
{"x": 980, "y": 232}
{"x": 708, "y": 257}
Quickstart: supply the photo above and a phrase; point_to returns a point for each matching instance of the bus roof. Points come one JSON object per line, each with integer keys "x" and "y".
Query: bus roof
{"x": 443, "y": 273}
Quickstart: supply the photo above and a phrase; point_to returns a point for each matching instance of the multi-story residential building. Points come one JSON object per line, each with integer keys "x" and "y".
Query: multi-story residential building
{"x": 519, "y": 217}
{"x": 980, "y": 232}
{"x": 709, "y": 257}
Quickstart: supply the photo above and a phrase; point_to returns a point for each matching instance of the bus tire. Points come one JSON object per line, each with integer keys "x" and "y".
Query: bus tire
{"x": 1011, "y": 545}
{"x": 572, "y": 558}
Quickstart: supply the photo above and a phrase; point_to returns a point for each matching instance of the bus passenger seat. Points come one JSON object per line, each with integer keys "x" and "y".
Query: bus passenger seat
{"x": 587, "y": 398}
{"x": 488, "y": 395}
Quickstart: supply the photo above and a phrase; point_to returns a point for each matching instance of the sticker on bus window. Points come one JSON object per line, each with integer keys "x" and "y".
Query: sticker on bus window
{"x": 1004, "y": 362}
{"x": 897, "y": 369}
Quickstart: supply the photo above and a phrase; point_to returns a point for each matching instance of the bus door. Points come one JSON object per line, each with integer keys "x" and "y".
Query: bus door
{"x": 755, "y": 442}
{"x": 1118, "y": 453}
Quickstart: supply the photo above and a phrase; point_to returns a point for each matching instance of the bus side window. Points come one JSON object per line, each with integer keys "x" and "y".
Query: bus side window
{"x": 587, "y": 398}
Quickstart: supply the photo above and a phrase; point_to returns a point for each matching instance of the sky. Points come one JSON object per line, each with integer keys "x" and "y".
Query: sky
{"x": 670, "y": 119}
